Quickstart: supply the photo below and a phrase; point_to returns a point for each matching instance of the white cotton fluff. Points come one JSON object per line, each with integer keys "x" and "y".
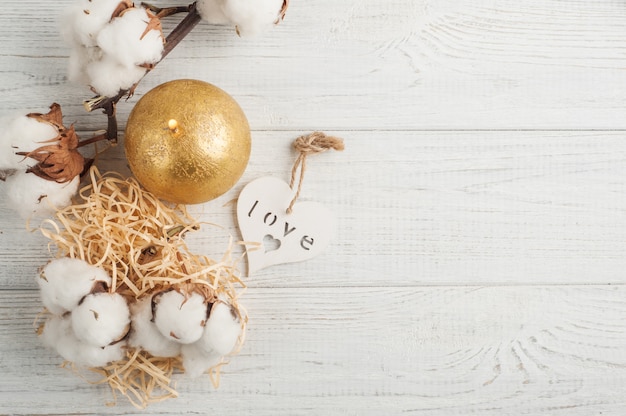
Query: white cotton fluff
{"x": 101, "y": 319}
{"x": 145, "y": 334}
{"x": 179, "y": 319}
{"x": 251, "y": 17}
{"x": 80, "y": 58}
{"x": 221, "y": 331}
{"x": 84, "y": 19}
{"x": 124, "y": 40}
{"x": 92, "y": 356}
{"x": 58, "y": 335}
{"x": 108, "y": 77}
{"x": 196, "y": 361}
{"x": 33, "y": 196}
{"x": 220, "y": 335}
{"x": 55, "y": 328}
{"x": 107, "y": 53}
{"x": 22, "y": 134}
{"x": 212, "y": 11}
{"x": 65, "y": 281}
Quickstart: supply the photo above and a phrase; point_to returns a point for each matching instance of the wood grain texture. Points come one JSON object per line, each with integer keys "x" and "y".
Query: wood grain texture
{"x": 435, "y": 208}
{"x": 438, "y": 351}
{"x": 478, "y": 265}
{"x": 371, "y": 65}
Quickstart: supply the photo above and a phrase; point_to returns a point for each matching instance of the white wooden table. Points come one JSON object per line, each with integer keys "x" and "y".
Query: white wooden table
{"x": 480, "y": 257}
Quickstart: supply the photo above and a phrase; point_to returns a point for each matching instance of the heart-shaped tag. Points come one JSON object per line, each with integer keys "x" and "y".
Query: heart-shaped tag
{"x": 282, "y": 237}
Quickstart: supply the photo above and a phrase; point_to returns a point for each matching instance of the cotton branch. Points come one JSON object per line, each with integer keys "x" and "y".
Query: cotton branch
{"x": 108, "y": 104}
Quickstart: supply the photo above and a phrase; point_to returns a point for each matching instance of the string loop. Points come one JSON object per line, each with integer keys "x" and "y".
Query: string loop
{"x": 310, "y": 144}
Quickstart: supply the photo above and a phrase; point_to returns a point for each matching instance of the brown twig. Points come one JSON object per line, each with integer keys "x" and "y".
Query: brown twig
{"x": 108, "y": 105}
{"x": 182, "y": 29}
{"x": 162, "y": 12}
{"x": 94, "y": 139}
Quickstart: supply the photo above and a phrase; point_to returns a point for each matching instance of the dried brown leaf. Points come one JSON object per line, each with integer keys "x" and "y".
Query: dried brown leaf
{"x": 283, "y": 12}
{"x": 121, "y": 8}
{"x": 53, "y": 117}
{"x": 153, "y": 24}
{"x": 59, "y": 162}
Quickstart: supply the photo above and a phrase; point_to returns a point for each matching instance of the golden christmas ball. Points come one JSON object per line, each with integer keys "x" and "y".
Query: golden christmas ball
{"x": 187, "y": 141}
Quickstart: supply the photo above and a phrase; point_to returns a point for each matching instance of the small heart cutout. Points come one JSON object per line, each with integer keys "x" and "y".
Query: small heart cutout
{"x": 270, "y": 243}
{"x": 283, "y": 238}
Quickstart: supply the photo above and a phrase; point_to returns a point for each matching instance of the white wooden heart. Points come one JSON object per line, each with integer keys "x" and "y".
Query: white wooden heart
{"x": 282, "y": 237}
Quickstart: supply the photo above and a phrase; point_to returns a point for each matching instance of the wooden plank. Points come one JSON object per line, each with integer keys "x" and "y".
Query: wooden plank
{"x": 370, "y": 65}
{"x": 434, "y": 208}
{"x": 478, "y": 265}
{"x": 441, "y": 351}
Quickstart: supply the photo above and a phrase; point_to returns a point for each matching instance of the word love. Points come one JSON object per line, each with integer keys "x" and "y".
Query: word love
{"x": 270, "y": 219}
{"x": 281, "y": 237}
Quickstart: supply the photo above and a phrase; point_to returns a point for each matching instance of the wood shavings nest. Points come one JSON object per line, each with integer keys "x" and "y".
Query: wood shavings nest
{"x": 127, "y": 299}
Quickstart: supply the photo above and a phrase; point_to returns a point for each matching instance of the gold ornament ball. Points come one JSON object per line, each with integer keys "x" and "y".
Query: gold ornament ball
{"x": 187, "y": 141}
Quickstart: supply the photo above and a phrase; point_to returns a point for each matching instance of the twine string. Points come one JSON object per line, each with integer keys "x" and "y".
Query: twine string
{"x": 316, "y": 142}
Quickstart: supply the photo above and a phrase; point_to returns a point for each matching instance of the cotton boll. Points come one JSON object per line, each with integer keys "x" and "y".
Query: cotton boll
{"x": 54, "y": 329}
{"x": 106, "y": 53}
{"x": 124, "y": 39}
{"x": 31, "y": 195}
{"x": 84, "y": 19}
{"x": 92, "y": 356}
{"x": 196, "y": 361}
{"x": 58, "y": 335}
{"x": 76, "y": 65}
{"x": 22, "y": 134}
{"x": 65, "y": 281}
{"x": 222, "y": 330}
{"x": 145, "y": 334}
{"x": 251, "y": 17}
{"x": 178, "y": 318}
{"x": 108, "y": 77}
{"x": 101, "y": 319}
{"x": 80, "y": 57}
{"x": 212, "y": 11}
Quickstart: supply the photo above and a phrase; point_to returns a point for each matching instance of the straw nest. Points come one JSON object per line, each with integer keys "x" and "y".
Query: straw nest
{"x": 138, "y": 240}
